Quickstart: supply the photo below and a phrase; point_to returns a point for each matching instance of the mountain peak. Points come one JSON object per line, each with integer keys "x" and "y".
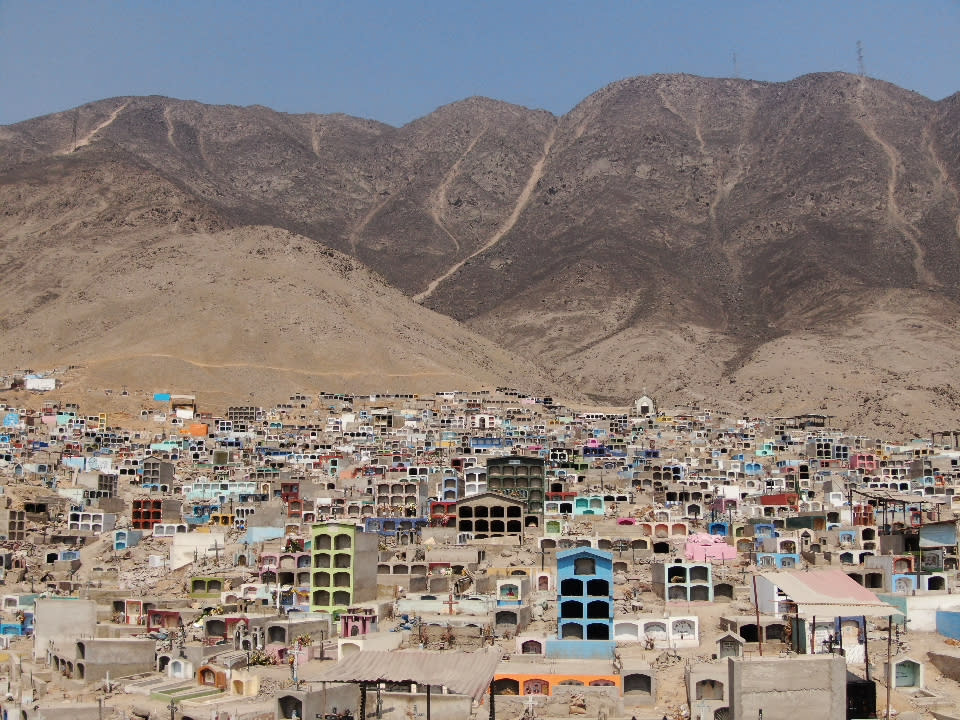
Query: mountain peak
{"x": 689, "y": 231}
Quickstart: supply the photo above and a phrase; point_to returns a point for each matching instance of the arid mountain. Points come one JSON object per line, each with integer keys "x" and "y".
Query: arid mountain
{"x": 111, "y": 268}
{"x": 786, "y": 246}
{"x": 405, "y": 201}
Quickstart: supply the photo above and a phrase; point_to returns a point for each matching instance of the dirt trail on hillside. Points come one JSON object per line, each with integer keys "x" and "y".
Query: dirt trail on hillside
{"x": 168, "y": 119}
{"x": 438, "y": 198}
{"x": 524, "y": 198}
{"x": 945, "y": 182}
{"x": 371, "y": 213}
{"x": 866, "y": 121}
{"x": 86, "y": 139}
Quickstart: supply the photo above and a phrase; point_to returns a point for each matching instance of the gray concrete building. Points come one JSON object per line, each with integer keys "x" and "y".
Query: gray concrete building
{"x": 781, "y": 687}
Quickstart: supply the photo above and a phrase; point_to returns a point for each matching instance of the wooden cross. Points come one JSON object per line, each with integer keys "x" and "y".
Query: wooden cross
{"x": 450, "y": 603}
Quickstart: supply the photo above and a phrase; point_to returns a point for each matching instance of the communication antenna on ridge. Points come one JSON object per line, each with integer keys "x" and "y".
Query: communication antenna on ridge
{"x": 736, "y": 70}
{"x": 76, "y": 121}
{"x": 860, "y": 68}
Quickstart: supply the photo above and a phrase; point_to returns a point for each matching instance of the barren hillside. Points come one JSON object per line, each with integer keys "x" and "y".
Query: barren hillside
{"x": 146, "y": 288}
{"x": 784, "y": 245}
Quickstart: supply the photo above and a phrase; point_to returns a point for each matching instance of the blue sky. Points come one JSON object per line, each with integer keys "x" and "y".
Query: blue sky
{"x": 396, "y": 61}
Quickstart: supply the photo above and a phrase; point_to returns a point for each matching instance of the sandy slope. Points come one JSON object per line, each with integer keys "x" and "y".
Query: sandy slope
{"x": 890, "y": 369}
{"x": 253, "y": 311}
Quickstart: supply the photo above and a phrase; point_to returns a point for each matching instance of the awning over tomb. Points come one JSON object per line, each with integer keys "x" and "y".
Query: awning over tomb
{"x": 461, "y": 672}
{"x": 829, "y": 593}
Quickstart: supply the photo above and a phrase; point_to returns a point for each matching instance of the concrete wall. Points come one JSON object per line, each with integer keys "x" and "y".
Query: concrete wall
{"x": 365, "y": 567}
{"x": 580, "y": 649}
{"x": 432, "y": 585}
{"x": 399, "y": 706}
{"x": 104, "y": 650}
{"x": 480, "y": 607}
{"x": 452, "y": 555}
{"x": 72, "y": 711}
{"x": 899, "y": 602}
{"x": 62, "y": 620}
{"x": 342, "y": 696}
{"x": 780, "y": 687}
{"x": 715, "y": 695}
{"x": 767, "y": 598}
{"x": 922, "y": 609}
{"x": 947, "y": 664}
{"x": 118, "y": 657}
{"x": 678, "y": 631}
{"x": 524, "y": 615}
{"x": 372, "y": 641}
{"x": 184, "y": 545}
{"x": 948, "y": 623}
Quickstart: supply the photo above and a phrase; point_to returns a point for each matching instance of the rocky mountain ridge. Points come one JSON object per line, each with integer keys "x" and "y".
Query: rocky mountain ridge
{"x": 716, "y": 239}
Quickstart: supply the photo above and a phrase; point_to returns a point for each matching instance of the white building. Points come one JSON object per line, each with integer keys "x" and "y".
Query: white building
{"x": 645, "y": 406}
{"x": 39, "y": 384}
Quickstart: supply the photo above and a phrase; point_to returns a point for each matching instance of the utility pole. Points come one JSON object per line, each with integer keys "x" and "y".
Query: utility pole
{"x": 756, "y": 603}
{"x": 866, "y": 646}
{"x": 889, "y": 660}
{"x": 860, "y": 67}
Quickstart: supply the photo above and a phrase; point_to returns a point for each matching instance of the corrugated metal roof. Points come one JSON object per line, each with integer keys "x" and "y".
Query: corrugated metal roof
{"x": 829, "y": 593}
{"x": 461, "y": 672}
{"x": 898, "y": 497}
{"x": 835, "y": 610}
